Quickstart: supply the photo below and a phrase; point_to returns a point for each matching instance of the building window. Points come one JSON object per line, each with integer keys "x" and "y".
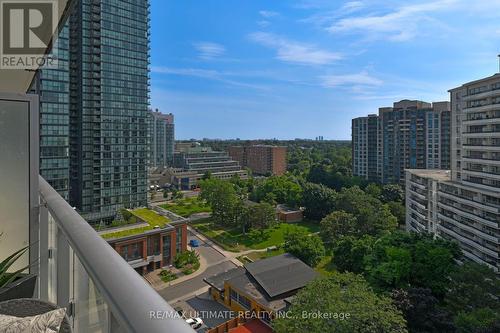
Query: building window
{"x": 125, "y": 252}
{"x": 242, "y": 300}
{"x": 166, "y": 248}
{"x": 178, "y": 241}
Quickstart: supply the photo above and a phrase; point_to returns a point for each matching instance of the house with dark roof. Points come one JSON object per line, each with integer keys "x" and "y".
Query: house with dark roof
{"x": 263, "y": 288}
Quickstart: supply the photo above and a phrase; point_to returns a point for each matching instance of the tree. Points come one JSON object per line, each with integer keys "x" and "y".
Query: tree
{"x": 392, "y": 192}
{"x": 483, "y": 320}
{"x": 422, "y": 311}
{"x": 308, "y": 248}
{"x": 226, "y": 205}
{"x": 318, "y": 201}
{"x": 374, "y": 190}
{"x": 284, "y": 190}
{"x": 349, "y": 253}
{"x": 372, "y": 216}
{"x": 336, "y": 225}
{"x": 398, "y": 210}
{"x": 411, "y": 259}
{"x": 393, "y": 270}
{"x": 351, "y": 303}
{"x": 260, "y": 216}
{"x": 473, "y": 286}
{"x": 206, "y": 175}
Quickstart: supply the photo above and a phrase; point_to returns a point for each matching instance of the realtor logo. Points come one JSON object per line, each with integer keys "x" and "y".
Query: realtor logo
{"x": 27, "y": 28}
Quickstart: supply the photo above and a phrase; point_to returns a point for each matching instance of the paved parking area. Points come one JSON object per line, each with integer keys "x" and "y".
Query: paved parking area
{"x": 211, "y": 312}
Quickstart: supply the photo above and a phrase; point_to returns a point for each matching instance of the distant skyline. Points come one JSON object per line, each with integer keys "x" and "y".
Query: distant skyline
{"x": 300, "y": 69}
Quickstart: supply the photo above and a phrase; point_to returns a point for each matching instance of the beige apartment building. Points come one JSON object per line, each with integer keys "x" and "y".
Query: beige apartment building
{"x": 464, "y": 203}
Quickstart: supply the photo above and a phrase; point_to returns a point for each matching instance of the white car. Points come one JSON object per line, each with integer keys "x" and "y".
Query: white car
{"x": 195, "y": 323}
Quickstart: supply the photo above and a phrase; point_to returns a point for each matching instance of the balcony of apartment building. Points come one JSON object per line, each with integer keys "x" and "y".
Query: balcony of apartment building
{"x": 74, "y": 267}
{"x": 489, "y": 251}
{"x": 490, "y": 130}
{"x": 482, "y": 92}
{"x": 71, "y": 265}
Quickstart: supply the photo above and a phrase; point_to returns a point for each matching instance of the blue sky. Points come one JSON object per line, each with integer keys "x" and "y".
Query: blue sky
{"x": 286, "y": 69}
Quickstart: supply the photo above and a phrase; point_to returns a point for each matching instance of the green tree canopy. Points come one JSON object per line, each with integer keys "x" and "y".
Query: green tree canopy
{"x": 306, "y": 247}
{"x": 349, "y": 253}
{"x": 405, "y": 259}
{"x": 221, "y": 196}
{"x": 373, "y": 218}
{"x": 484, "y": 320}
{"x": 392, "y": 192}
{"x": 284, "y": 189}
{"x": 341, "y": 294}
{"x": 318, "y": 201}
{"x": 422, "y": 311}
{"x": 336, "y": 225}
{"x": 473, "y": 286}
{"x": 260, "y": 216}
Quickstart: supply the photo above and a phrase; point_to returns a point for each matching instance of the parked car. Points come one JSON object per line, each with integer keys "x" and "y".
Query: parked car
{"x": 194, "y": 243}
{"x": 195, "y": 323}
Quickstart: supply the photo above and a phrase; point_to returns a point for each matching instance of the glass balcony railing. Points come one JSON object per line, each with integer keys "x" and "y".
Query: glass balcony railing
{"x": 78, "y": 270}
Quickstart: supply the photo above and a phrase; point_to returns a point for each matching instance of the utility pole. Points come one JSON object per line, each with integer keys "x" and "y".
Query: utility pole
{"x": 499, "y": 63}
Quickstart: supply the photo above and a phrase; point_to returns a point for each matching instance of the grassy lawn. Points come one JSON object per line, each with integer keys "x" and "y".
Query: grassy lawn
{"x": 234, "y": 240}
{"x": 187, "y": 206}
{"x": 257, "y": 255}
{"x": 325, "y": 266}
{"x": 148, "y": 216}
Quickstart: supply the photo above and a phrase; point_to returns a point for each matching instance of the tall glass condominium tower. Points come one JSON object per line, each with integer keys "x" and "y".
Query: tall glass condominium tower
{"x": 52, "y": 84}
{"x": 102, "y": 115}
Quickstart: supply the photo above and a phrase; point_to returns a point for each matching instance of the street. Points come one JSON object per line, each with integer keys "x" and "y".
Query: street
{"x": 216, "y": 262}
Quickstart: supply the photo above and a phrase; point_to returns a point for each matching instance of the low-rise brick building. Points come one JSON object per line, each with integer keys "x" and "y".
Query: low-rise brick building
{"x": 147, "y": 250}
{"x": 263, "y": 288}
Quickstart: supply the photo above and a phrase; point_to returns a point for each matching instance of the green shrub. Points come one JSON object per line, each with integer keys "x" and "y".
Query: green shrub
{"x": 126, "y": 214}
{"x": 186, "y": 258}
{"x": 190, "y": 268}
{"x": 167, "y": 276}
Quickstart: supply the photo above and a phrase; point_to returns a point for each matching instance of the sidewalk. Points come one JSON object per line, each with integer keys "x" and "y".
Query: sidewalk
{"x": 158, "y": 284}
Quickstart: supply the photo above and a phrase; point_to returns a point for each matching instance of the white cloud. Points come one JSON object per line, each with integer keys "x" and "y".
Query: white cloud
{"x": 295, "y": 52}
{"x": 205, "y": 74}
{"x": 263, "y": 23}
{"x": 401, "y": 24}
{"x": 358, "y": 79}
{"x": 268, "y": 13}
{"x": 209, "y": 50}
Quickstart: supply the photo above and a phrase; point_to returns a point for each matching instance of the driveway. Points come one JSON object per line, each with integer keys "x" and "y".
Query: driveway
{"x": 216, "y": 263}
{"x": 206, "y": 251}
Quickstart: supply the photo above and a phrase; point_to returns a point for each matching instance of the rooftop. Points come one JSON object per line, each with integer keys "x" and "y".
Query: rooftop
{"x": 270, "y": 282}
{"x": 253, "y": 326}
{"x": 151, "y": 220}
{"x": 217, "y": 281}
{"x": 281, "y": 274}
{"x": 495, "y": 76}
{"x": 441, "y": 175}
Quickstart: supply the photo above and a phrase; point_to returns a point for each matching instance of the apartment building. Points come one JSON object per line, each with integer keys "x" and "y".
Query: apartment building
{"x": 365, "y": 147}
{"x": 94, "y": 108}
{"x": 194, "y": 161}
{"x": 162, "y": 139}
{"x": 409, "y": 135}
{"x": 261, "y": 159}
{"x": 465, "y": 206}
{"x": 52, "y": 85}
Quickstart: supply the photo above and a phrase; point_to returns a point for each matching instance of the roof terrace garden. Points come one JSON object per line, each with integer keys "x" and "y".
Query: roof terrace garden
{"x": 143, "y": 218}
